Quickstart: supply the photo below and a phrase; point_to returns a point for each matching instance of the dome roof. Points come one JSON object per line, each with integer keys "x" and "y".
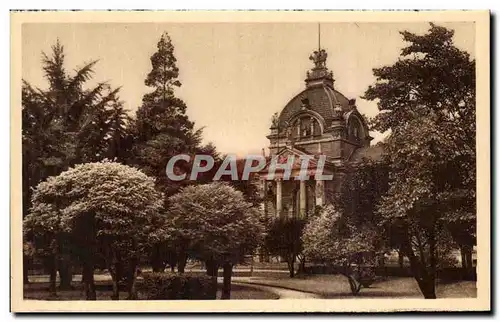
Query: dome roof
{"x": 321, "y": 99}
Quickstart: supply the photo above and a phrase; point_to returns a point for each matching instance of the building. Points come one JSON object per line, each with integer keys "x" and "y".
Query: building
{"x": 318, "y": 121}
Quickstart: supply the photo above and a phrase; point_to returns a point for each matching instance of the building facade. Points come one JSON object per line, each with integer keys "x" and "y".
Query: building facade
{"x": 318, "y": 121}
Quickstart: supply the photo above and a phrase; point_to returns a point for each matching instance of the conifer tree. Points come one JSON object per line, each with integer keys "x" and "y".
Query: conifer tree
{"x": 64, "y": 124}
{"x": 162, "y": 128}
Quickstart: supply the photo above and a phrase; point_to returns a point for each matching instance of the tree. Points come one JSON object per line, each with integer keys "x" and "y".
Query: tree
{"x": 284, "y": 239}
{"x": 248, "y": 187}
{"x": 361, "y": 190}
{"x": 162, "y": 129}
{"x": 215, "y": 224}
{"x": 330, "y": 238}
{"x": 427, "y": 100}
{"x": 66, "y": 124}
{"x": 110, "y": 212}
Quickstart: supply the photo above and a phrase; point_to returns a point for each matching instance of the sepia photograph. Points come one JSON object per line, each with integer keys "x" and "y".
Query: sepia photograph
{"x": 226, "y": 161}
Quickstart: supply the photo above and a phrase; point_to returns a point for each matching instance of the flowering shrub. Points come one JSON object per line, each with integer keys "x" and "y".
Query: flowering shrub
{"x": 329, "y": 239}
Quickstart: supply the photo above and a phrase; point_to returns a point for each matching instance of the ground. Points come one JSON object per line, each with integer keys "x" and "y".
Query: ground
{"x": 39, "y": 291}
{"x": 337, "y": 286}
{"x": 279, "y": 286}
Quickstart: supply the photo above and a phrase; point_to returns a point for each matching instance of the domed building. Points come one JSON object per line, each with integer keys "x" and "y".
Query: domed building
{"x": 318, "y": 121}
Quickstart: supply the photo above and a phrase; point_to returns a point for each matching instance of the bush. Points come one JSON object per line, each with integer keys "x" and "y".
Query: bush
{"x": 174, "y": 286}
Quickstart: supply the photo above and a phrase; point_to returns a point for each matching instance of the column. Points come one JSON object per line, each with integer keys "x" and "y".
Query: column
{"x": 264, "y": 196}
{"x": 320, "y": 193}
{"x": 279, "y": 205}
{"x": 303, "y": 208}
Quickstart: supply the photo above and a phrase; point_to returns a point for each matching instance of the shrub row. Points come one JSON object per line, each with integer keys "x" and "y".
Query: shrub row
{"x": 174, "y": 286}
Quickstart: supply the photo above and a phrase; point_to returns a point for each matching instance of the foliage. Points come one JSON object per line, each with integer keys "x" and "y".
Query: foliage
{"x": 67, "y": 123}
{"x": 361, "y": 190}
{"x": 427, "y": 100}
{"x": 331, "y": 238}
{"x": 248, "y": 187}
{"x": 161, "y": 128}
{"x": 107, "y": 209}
{"x": 284, "y": 239}
{"x": 215, "y": 222}
{"x": 171, "y": 286}
{"x": 29, "y": 249}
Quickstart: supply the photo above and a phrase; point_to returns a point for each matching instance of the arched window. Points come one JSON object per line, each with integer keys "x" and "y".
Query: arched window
{"x": 355, "y": 128}
{"x": 305, "y": 126}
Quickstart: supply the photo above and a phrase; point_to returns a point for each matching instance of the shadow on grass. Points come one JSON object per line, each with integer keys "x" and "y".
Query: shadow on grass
{"x": 40, "y": 291}
{"x": 367, "y": 294}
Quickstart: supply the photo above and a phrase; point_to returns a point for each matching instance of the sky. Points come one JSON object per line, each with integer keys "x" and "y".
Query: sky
{"x": 234, "y": 76}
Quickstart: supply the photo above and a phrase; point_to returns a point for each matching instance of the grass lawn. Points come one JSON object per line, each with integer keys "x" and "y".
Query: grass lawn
{"x": 39, "y": 291}
{"x": 337, "y": 286}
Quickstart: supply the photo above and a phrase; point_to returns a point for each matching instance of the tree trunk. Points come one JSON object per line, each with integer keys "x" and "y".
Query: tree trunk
{"x": 25, "y": 270}
{"x": 401, "y": 259}
{"x": 302, "y": 265}
{"x": 88, "y": 278}
{"x": 52, "y": 280}
{"x": 468, "y": 257}
{"x": 463, "y": 257}
{"x": 291, "y": 268}
{"x": 419, "y": 271}
{"x": 428, "y": 288}
{"x": 131, "y": 279}
{"x": 226, "y": 287}
{"x": 116, "y": 289}
{"x": 65, "y": 273}
{"x": 213, "y": 271}
{"x": 354, "y": 284}
{"x": 116, "y": 275}
{"x": 171, "y": 258}
{"x": 212, "y": 268}
{"x": 381, "y": 261}
{"x": 52, "y": 275}
{"x": 433, "y": 254}
{"x": 158, "y": 262}
{"x": 181, "y": 264}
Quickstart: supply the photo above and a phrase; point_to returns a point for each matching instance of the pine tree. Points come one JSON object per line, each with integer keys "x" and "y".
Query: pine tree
{"x": 162, "y": 128}
{"x": 65, "y": 124}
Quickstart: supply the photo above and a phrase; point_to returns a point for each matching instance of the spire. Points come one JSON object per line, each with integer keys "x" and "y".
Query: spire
{"x": 319, "y": 74}
{"x": 319, "y": 36}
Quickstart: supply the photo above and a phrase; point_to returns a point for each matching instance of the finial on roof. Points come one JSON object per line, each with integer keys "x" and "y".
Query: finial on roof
{"x": 319, "y": 58}
{"x": 319, "y": 74}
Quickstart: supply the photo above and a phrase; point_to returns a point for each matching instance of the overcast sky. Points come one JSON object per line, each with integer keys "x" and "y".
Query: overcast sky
{"x": 234, "y": 76}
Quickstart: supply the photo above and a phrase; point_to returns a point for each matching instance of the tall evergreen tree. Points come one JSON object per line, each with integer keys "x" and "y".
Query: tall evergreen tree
{"x": 162, "y": 128}
{"x": 68, "y": 122}
{"x": 65, "y": 124}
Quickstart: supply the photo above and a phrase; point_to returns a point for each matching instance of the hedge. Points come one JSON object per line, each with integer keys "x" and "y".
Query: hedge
{"x": 175, "y": 286}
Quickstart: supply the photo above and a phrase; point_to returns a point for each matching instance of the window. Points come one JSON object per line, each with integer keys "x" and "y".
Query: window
{"x": 355, "y": 129}
{"x": 305, "y": 126}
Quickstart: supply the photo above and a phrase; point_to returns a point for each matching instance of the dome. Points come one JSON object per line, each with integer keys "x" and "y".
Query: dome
{"x": 321, "y": 99}
{"x": 319, "y": 120}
